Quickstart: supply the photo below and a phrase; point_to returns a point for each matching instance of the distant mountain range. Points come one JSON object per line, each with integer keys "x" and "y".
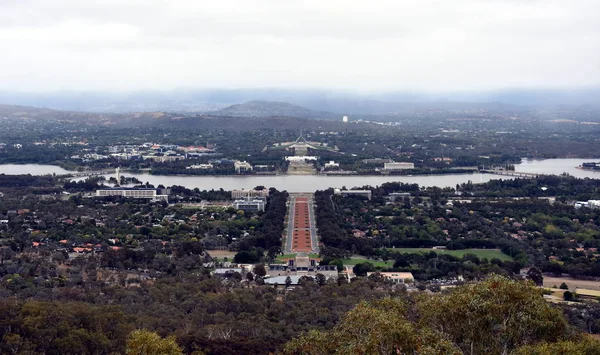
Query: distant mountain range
{"x": 19, "y": 111}
{"x": 322, "y": 101}
{"x": 156, "y": 108}
{"x": 263, "y": 119}
{"x": 259, "y": 108}
{"x": 35, "y": 113}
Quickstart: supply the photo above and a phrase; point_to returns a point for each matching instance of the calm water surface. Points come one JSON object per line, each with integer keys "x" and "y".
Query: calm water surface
{"x": 316, "y": 182}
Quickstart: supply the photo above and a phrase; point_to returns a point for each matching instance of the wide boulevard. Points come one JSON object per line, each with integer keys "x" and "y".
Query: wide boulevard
{"x": 301, "y": 231}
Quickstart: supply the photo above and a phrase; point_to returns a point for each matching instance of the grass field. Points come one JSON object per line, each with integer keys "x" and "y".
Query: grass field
{"x": 220, "y": 254}
{"x": 355, "y": 261}
{"x": 481, "y": 253}
{"x": 550, "y": 281}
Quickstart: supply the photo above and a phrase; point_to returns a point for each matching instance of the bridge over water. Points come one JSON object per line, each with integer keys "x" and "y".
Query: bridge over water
{"x": 512, "y": 173}
{"x": 89, "y": 173}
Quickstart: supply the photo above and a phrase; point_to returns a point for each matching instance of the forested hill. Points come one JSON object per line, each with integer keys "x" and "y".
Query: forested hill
{"x": 37, "y": 114}
{"x": 260, "y": 108}
{"x": 17, "y": 110}
{"x": 245, "y": 116}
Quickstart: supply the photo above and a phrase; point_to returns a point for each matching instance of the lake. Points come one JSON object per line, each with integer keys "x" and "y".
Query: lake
{"x": 296, "y": 183}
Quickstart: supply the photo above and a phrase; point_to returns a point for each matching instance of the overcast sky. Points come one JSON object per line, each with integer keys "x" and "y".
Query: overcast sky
{"x": 341, "y": 44}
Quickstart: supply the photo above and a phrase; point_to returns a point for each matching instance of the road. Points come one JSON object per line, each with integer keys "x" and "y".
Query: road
{"x": 301, "y": 231}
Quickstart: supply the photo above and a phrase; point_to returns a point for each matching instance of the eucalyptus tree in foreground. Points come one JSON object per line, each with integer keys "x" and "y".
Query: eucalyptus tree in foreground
{"x": 495, "y": 316}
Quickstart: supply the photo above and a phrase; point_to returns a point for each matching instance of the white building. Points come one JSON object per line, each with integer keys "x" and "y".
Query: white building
{"x": 591, "y": 204}
{"x": 249, "y": 205}
{"x": 239, "y": 194}
{"x": 398, "y": 166}
{"x": 130, "y": 192}
{"x": 300, "y": 158}
{"x": 396, "y": 277}
{"x": 198, "y": 149}
{"x": 163, "y": 158}
{"x": 200, "y": 166}
{"x": 364, "y": 193}
{"x": 332, "y": 164}
{"x": 242, "y": 166}
{"x": 124, "y": 156}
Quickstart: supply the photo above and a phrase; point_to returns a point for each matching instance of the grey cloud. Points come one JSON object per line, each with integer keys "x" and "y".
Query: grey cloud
{"x": 366, "y": 44}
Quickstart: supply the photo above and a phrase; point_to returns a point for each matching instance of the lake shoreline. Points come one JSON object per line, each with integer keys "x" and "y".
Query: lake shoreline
{"x": 303, "y": 183}
{"x": 416, "y": 172}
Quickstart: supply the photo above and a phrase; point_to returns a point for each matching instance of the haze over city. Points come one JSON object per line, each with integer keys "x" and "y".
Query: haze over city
{"x": 432, "y": 46}
{"x": 309, "y": 177}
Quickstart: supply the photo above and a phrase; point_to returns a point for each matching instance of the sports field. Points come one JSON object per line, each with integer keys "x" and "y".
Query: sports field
{"x": 550, "y": 281}
{"x": 355, "y": 261}
{"x": 481, "y": 253}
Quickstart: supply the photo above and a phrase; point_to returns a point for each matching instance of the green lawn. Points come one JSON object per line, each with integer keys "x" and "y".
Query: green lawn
{"x": 355, "y": 261}
{"x": 481, "y": 253}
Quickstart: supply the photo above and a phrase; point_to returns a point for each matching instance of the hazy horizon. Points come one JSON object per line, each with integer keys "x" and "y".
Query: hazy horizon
{"x": 411, "y": 46}
{"x": 199, "y": 100}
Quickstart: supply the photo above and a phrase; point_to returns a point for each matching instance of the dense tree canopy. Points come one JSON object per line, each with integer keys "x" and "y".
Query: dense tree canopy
{"x": 143, "y": 342}
{"x": 496, "y": 316}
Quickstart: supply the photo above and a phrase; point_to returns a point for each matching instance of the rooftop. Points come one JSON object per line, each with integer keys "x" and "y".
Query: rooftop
{"x": 126, "y": 188}
{"x": 280, "y": 280}
{"x": 395, "y": 275}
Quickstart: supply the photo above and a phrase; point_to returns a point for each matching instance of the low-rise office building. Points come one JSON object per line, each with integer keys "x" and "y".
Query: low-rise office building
{"x": 239, "y": 194}
{"x": 201, "y": 166}
{"x": 398, "y": 166}
{"x": 396, "y": 277}
{"x": 130, "y": 193}
{"x": 241, "y": 166}
{"x": 299, "y": 158}
{"x": 253, "y": 205}
{"x": 364, "y": 193}
{"x": 332, "y": 164}
{"x": 377, "y": 161}
{"x": 591, "y": 204}
{"x": 163, "y": 158}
